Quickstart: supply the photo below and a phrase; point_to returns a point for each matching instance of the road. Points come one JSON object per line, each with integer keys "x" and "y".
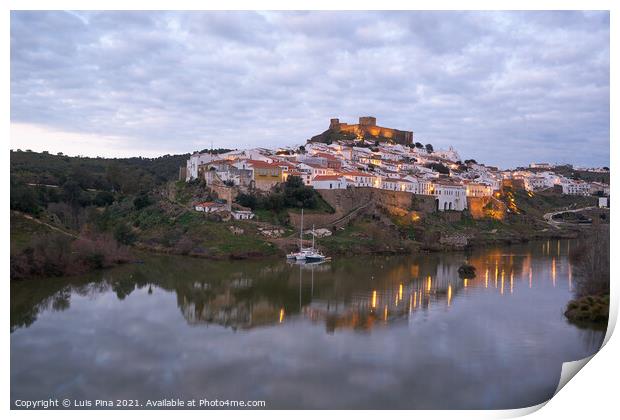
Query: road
{"x": 556, "y": 223}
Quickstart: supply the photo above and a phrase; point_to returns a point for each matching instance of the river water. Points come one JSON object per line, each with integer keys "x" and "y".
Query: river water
{"x": 370, "y": 332}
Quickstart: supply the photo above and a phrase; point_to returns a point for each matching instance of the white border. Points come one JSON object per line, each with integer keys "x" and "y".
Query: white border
{"x": 592, "y": 395}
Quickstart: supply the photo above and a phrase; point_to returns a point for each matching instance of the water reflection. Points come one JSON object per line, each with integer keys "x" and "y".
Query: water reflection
{"x": 259, "y": 294}
{"x": 362, "y": 324}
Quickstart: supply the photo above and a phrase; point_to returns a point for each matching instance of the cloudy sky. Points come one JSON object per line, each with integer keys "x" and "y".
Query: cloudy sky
{"x": 505, "y": 88}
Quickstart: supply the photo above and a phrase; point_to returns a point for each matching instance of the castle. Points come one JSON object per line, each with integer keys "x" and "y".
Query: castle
{"x": 366, "y": 129}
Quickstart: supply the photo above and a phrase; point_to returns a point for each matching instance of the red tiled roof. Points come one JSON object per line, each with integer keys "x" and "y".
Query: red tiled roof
{"x": 327, "y": 178}
{"x": 261, "y": 164}
{"x": 209, "y": 204}
{"x": 358, "y": 173}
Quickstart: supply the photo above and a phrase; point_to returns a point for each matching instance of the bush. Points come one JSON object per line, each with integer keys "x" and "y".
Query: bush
{"x": 124, "y": 235}
{"x": 141, "y": 201}
{"x": 58, "y": 254}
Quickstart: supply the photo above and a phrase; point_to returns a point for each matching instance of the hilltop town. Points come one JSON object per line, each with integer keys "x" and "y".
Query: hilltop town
{"x": 367, "y": 156}
{"x": 366, "y": 189}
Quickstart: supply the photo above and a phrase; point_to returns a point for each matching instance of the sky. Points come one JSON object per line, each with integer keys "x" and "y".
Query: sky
{"x": 504, "y": 88}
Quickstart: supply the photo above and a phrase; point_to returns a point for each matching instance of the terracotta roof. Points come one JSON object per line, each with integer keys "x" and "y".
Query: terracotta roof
{"x": 261, "y": 164}
{"x": 357, "y": 173}
{"x": 209, "y": 204}
{"x": 327, "y": 178}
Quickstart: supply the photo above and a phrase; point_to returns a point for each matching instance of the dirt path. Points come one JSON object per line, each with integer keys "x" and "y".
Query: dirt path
{"x": 40, "y": 222}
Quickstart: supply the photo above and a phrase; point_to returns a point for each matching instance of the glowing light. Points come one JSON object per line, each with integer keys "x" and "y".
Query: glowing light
{"x": 281, "y": 315}
{"x": 400, "y": 292}
{"x": 449, "y": 294}
{"x": 374, "y": 299}
{"x": 502, "y": 289}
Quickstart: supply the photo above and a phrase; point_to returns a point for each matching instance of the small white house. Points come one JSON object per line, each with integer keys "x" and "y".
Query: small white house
{"x": 242, "y": 214}
{"x": 210, "y": 207}
{"x": 329, "y": 182}
{"x": 603, "y": 202}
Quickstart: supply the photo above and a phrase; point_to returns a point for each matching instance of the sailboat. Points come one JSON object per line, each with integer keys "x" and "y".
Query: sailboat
{"x": 301, "y": 254}
{"x": 314, "y": 255}
{"x": 305, "y": 254}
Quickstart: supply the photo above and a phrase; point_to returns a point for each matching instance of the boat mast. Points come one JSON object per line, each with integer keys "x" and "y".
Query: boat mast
{"x": 313, "y": 237}
{"x": 301, "y": 232}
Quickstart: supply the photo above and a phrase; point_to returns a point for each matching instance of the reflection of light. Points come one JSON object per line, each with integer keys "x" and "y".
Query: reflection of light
{"x": 400, "y": 292}
{"x": 558, "y": 248}
{"x": 449, "y": 294}
{"x": 486, "y": 278}
{"x": 502, "y": 290}
{"x": 465, "y": 283}
{"x": 511, "y": 281}
{"x": 530, "y": 277}
{"x": 428, "y": 284}
{"x": 415, "y": 299}
{"x": 496, "y": 274}
{"x": 374, "y": 299}
{"x": 570, "y": 277}
{"x": 385, "y": 313}
{"x": 281, "y": 315}
{"x": 553, "y": 270}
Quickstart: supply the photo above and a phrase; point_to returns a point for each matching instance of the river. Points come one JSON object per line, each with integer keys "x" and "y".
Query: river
{"x": 396, "y": 332}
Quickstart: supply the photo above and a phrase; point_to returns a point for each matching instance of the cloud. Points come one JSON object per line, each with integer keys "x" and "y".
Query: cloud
{"x": 502, "y": 87}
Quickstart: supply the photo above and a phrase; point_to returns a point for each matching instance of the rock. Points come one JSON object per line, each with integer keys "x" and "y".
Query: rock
{"x": 454, "y": 241}
{"x": 467, "y": 271}
{"x": 271, "y": 232}
{"x": 319, "y": 233}
{"x": 236, "y": 230}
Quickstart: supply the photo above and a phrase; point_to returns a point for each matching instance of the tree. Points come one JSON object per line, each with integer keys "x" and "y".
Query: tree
{"x": 419, "y": 145}
{"x": 72, "y": 192}
{"x": 124, "y": 235}
{"x": 103, "y": 198}
{"x": 246, "y": 200}
{"x": 141, "y": 201}
{"x": 438, "y": 167}
{"x": 429, "y": 148}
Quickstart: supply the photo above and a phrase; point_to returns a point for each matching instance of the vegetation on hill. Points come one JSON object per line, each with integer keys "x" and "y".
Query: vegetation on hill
{"x": 590, "y": 260}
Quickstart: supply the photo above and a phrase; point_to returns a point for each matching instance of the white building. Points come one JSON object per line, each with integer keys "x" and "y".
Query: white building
{"x": 450, "y": 196}
{"x": 474, "y": 189}
{"x": 242, "y": 214}
{"x": 359, "y": 179}
{"x": 210, "y": 207}
{"x": 329, "y": 182}
{"x": 571, "y": 187}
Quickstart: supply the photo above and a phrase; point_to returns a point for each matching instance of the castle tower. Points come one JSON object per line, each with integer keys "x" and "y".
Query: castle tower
{"x": 368, "y": 121}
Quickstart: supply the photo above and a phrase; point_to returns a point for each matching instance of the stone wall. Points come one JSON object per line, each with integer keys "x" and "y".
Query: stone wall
{"x": 367, "y": 200}
{"x": 481, "y": 207}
